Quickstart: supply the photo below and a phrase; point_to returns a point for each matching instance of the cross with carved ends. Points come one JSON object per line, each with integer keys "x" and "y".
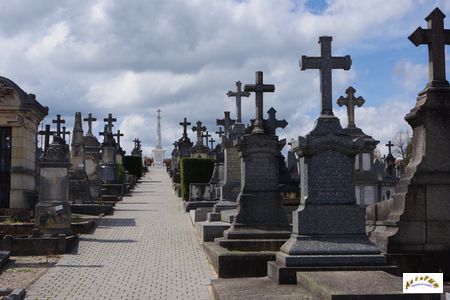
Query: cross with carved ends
{"x": 46, "y": 133}
{"x": 350, "y": 101}
{"x": 259, "y": 88}
{"x": 64, "y": 133}
{"x": 226, "y": 122}
{"x": 220, "y": 132}
{"x": 58, "y": 123}
{"x": 390, "y": 145}
{"x": 206, "y": 136}
{"x": 326, "y": 63}
{"x": 272, "y": 123}
{"x": 110, "y": 121}
{"x": 199, "y": 129}
{"x": 436, "y": 37}
{"x": 238, "y": 94}
{"x": 90, "y": 119}
{"x": 211, "y": 140}
{"x": 185, "y": 124}
{"x": 118, "y": 135}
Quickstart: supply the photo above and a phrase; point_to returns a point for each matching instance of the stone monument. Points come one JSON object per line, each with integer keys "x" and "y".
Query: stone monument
{"x": 120, "y": 153}
{"x": 199, "y": 150}
{"x": 158, "y": 153}
{"x": 108, "y": 172}
{"x": 92, "y": 159}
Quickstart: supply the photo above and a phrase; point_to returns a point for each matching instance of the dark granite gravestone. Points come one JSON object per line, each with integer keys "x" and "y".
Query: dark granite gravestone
{"x": 414, "y": 226}
{"x": 328, "y": 226}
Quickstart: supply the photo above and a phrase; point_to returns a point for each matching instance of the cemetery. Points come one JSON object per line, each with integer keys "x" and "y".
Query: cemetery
{"x": 238, "y": 212}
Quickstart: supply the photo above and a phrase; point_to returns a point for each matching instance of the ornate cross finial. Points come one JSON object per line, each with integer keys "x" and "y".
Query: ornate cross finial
{"x": 220, "y": 132}
{"x": 199, "y": 129}
{"x": 350, "y": 102}
{"x": 436, "y": 37}
{"x": 90, "y": 119}
{"x": 185, "y": 124}
{"x": 64, "y": 133}
{"x": 226, "y": 122}
{"x": 238, "y": 94}
{"x": 58, "y": 123}
{"x": 326, "y": 63}
{"x": 211, "y": 140}
{"x": 206, "y": 136}
{"x": 46, "y": 133}
{"x": 390, "y": 145}
{"x": 136, "y": 142}
{"x": 259, "y": 88}
{"x": 118, "y": 135}
{"x": 110, "y": 121}
{"x": 272, "y": 123}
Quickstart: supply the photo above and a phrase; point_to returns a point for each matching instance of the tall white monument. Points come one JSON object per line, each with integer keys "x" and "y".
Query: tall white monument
{"x": 158, "y": 152}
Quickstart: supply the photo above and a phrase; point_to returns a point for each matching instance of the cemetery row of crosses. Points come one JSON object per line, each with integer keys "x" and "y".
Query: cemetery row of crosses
{"x": 330, "y": 204}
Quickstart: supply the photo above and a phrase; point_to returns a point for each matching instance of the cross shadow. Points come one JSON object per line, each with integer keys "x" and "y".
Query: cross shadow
{"x": 80, "y": 266}
{"x": 117, "y": 222}
{"x": 107, "y": 241}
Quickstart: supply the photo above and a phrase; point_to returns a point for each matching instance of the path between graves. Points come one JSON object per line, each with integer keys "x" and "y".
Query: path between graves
{"x": 147, "y": 250}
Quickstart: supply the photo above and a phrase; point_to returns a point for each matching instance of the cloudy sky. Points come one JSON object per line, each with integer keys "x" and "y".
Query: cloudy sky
{"x": 131, "y": 58}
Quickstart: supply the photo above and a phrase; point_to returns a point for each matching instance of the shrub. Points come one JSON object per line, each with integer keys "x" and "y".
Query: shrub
{"x": 194, "y": 170}
{"x": 133, "y": 164}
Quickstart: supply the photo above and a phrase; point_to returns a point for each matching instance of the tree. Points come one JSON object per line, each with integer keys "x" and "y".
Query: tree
{"x": 403, "y": 145}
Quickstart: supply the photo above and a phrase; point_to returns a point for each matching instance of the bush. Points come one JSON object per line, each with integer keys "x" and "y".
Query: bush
{"x": 133, "y": 164}
{"x": 120, "y": 173}
{"x": 194, "y": 170}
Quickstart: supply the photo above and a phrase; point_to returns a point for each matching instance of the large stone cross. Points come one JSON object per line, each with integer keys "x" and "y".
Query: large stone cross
{"x": 390, "y": 145}
{"x": 436, "y": 37}
{"x": 206, "y": 135}
{"x": 118, "y": 135}
{"x": 185, "y": 124}
{"x": 58, "y": 123}
{"x": 326, "y": 63}
{"x": 226, "y": 122}
{"x": 272, "y": 123}
{"x": 199, "y": 129}
{"x": 110, "y": 121}
{"x": 90, "y": 120}
{"x": 238, "y": 94}
{"x": 64, "y": 133}
{"x": 350, "y": 102}
{"x": 259, "y": 88}
{"x": 46, "y": 133}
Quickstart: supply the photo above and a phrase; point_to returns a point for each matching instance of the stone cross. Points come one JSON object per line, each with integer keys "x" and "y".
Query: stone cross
{"x": 220, "y": 132}
{"x": 64, "y": 133}
{"x": 46, "y": 133}
{"x": 259, "y": 88}
{"x": 211, "y": 140}
{"x": 226, "y": 122}
{"x": 206, "y": 135}
{"x": 185, "y": 124}
{"x": 350, "y": 102}
{"x": 110, "y": 121}
{"x": 199, "y": 129}
{"x": 175, "y": 144}
{"x": 104, "y": 132}
{"x": 273, "y": 123}
{"x": 136, "y": 142}
{"x": 390, "y": 145}
{"x": 118, "y": 134}
{"x": 326, "y": 63}
{"x": 90, "y": 119}
{"x": 238, "y": 94}
{"x": 436, "y": 37}
{"x": 58, "y": 123}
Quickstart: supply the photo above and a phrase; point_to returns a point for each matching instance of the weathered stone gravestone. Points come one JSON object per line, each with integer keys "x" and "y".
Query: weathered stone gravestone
{"x": 20, "y": 115}
{"x": 108, "y": 171}
{"x": 92, "y": 160}
{"x": 328, "y": 227}
{"x": 78, "y": 180}
{"x": 137, "y": 151}
{"x": 120, "y": 153}
{"x": 414, "y": 227}
{"x": 199, "y": 150}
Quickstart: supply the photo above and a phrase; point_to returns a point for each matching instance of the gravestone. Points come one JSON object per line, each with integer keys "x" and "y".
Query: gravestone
{"x": 414, "y": 226}
{"x": 78, "y": 179}
{"x": 20, "y": 114}
{"x": 199, "y": 150}
{"x": 137, "y": 151}
{"x": 92, "y": 159}
{"x": 120, "y": 153}
{"x": 184, "y": 145}
{"x": 108, "y": 172}
{"x": 328, "y": 226}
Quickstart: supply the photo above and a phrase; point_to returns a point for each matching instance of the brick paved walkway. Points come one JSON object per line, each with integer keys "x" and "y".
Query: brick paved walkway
{"x": 147, "y": 250}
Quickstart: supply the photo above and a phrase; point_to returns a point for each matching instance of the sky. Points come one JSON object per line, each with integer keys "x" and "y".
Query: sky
{"x": 131, "y": 58}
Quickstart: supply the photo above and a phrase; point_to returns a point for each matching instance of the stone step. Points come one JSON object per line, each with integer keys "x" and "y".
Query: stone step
{"x": 251, "y": 245}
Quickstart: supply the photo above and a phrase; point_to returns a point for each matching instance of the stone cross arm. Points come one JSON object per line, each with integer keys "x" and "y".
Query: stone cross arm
{"x": 390, "y": 145}
{"x": 350, "y": 101}
{"x": 272, "y": 123}
{"x": 58, "y": 123}
{"x": 110, "y": 121}
{"x": 90, "y": 120}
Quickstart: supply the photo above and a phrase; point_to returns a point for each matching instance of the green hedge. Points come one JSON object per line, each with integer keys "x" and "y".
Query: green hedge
{"x": 133, "y": 164}
{"x": 194, "y": 170}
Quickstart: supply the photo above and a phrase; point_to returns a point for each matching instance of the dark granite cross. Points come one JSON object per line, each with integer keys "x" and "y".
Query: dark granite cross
{"x": 175, "y": 144}
{"x": 259, "y": 88}
{"x": 436, "y": 37}
{"x": 238, "y": 94}
{"x": 185, "y": 124}
{"x": 226, "y": 122}
{"x": 46, "y": 133}
{"x": 350, "y": 102}
{"x": 272, "y": 123}
{"x": 220, "y": 132}
{"x": 390, "y": 145}
{"x": 64, "y": 133}
{"x": 211, "y": 140}
{"x": 110, "y": 121}
{"x": 199, "y": 129}
{"x": 104, "y": 132}
{"x": 90, "y": 120}
{"x": 326, "y": 63}
{"x": 58, "y": 123}
{"x": 118, "y": 135}
{"x": 136, "y": 142}
{"x": 206, "y": 135}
